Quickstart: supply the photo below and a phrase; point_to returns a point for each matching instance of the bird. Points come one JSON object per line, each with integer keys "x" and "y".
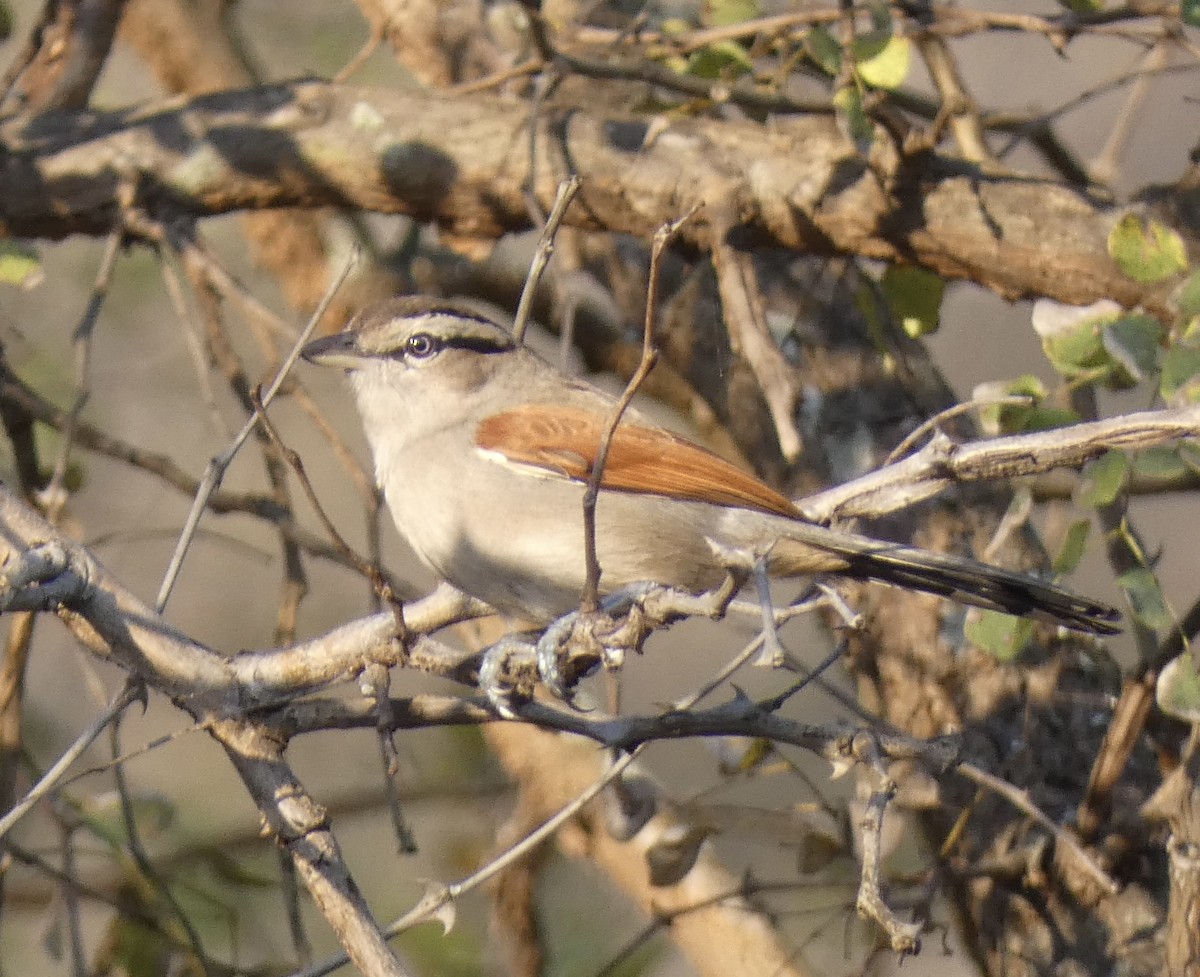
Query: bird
{"x": 483, "y": 451}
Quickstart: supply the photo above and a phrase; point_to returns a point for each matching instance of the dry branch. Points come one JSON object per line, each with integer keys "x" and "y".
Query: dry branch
{"x": 463, "y": 162}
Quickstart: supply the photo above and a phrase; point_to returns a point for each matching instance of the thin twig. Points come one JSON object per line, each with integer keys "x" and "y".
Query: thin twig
{"x": 218, "y": 465}
{"x": 129, "y": 693}
{"x": 931, "y": 424}
{"x": 1062, "y": 836}
{"x": 137, "y": 851}
{"x": 54, "y": 494}
{"x": 589, "y": 600}
{"x": 364, "y": 53}
{"x": 368, "y": 569}
{"x": 545, "y": 248}
{"x": 194, "y": 345}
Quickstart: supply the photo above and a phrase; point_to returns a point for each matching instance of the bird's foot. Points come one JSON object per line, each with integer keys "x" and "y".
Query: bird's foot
{"x": 582, "y": 638}
{"x": 575, "y": 643}
{"x": 499, "y": 662}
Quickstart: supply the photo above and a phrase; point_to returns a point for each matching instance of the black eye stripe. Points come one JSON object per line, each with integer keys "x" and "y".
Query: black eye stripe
{"x": 423, "y": 345}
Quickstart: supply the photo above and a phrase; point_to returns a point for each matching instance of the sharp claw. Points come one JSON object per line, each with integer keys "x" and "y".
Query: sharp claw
{"x": 549, "y": 649}
{"x": 491, "y": 674}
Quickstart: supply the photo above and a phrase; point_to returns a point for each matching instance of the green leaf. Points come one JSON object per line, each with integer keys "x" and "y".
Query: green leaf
{"x": 882, "y": 60}
{"x": 852, "y": 118}
{"x": 1187, "y": 298}
{"x": 1071, "y": 551}
{"x": 1180, "y": 380}
{"x": 824, "y": 50}
{"x": 1048, "y": 418}
{"x": 915, "y": 296}
{"x": 234, "y": 871}
{"x": 1189, "y": 453}
{"x": 1146, "y": 598}
{"x": 1017, "y": 418}
{"x": 20, "y": 265}
{"x": 103, "y": 814}
{"x": 881, "y": 16}
{"x": 1189, "y": 12}
{"x": 1162, "y": 462}
{"x": 1178, "y": 689}
{"x": 1103, "y": 479}
{"x": 1132, "y": 342}
{"x": 1083, "y": 6}
{"x": 1146, "y": 253}
{"x": 1001, "y": 635}
{"x": 723, "y": 13}
{"x": 1076, "y": 347}
{"x": 722, "y": 59}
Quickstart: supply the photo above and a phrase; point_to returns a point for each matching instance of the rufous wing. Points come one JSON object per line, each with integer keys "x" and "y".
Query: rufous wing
{"x": 565, "y": 441}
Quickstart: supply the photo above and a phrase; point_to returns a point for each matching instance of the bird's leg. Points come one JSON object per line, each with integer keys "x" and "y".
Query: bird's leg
{"x": 773, "y": 655}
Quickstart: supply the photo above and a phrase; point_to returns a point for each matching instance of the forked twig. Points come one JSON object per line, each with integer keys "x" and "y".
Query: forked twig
{"x": 589, "y": 600}
{"x": 219, "y": 464}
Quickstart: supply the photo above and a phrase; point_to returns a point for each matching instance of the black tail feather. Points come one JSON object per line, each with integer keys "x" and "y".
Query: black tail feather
{"x": 964, "y": 580}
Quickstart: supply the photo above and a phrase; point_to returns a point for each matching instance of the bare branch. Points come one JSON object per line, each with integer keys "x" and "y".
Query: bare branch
{"x": 943, "y": 463}
{"x": 451, "y": 159}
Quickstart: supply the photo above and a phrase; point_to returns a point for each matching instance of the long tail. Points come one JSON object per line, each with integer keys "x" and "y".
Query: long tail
{"x": 957, "y": 578}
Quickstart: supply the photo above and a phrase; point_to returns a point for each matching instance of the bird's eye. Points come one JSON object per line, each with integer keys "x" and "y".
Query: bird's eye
{"x": 421, "y": 345}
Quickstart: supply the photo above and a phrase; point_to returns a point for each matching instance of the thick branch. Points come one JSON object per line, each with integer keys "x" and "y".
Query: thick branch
{"x": 463, "y": 162}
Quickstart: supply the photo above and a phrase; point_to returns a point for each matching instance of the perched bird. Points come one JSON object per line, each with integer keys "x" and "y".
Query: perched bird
{"x": 483, "y": 451}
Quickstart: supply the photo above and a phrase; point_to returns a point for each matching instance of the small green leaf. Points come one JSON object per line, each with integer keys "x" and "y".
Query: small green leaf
{"x": 1146, "y": 253}
{"x": 1079, "y": 354}
{"x": 1132, "y": 342}
{"x": 1180, "y": 380}
{"x": 915, "y": 296}
{"x": 1072, "y": 336}
{"x": 1178, "y": 689}
{"x": 1189, "y": 453}
{"x": 824, "y": 50}
{"x": 1162, "y": 462}
{"x": 722, "y": 59}
{"x": 1083, "y": 6}
{"x": 104, "y": 815}
{"x": 1146, "y": 598}
{"x": 1048, "y": 418}
{"x": 20, "y": 265}
{"x": 882, "y": 60}
{"x": 852, "y": 118}
{"x": 233, "y": 870}
{"x": 1189, "y": 12}
{"x": 1103, "y": 479}
{"x": 1017, "y": 418}
{"x": 723, "y": 13}
{"x": 1071, "y": 551}
{"x": 1002, "y": 636}
{"x": 1187, "y": 298}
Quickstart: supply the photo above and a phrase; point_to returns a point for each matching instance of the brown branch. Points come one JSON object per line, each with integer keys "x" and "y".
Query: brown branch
{"x": 461, "y": 161}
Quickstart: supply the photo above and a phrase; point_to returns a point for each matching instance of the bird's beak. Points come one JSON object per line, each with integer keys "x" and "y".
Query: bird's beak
{"x": 340, "y": 350}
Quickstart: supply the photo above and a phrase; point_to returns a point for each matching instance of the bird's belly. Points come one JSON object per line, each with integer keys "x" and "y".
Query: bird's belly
{"x": 521, "y": 549}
